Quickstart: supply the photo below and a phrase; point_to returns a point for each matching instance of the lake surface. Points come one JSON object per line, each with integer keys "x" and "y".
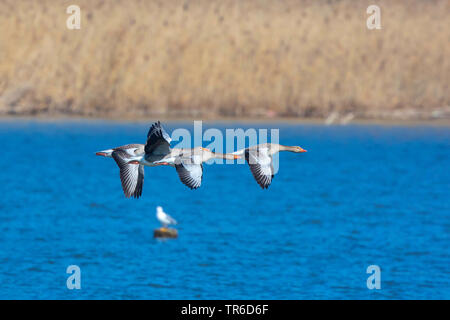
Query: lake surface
{"x": 362, "y": 195}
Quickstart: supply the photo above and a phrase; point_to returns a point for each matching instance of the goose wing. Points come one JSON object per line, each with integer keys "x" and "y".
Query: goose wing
{"x": 261, "y": 165}
{"x": 158, "y": 140}
{"x": 131, "y": 175}
{"x": 189, "y": 171}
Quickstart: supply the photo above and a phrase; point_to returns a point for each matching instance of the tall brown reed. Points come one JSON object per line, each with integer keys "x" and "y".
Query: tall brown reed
{"x": 223, "y": 58}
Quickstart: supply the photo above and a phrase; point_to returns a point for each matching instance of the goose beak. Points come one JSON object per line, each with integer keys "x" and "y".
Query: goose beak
{"x": 302, "y": 150}
{"x": 236, "y": 157}
{"x": 103, "y": 154}
{"x": 133, "y": 162}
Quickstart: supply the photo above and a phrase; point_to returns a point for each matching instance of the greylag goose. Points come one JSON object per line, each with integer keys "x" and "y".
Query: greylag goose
{"x": 259, "y": 159}
{"x": 189, "y": 163}
{"x": 132, "y": 172}
{"x": 131, "y": 175}
{"x": 164, "y": 218}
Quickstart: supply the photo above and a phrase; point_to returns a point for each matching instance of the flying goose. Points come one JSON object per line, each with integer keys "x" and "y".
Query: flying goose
{"x": 189, "y": 163}
{"x": 132, "y": 172}
{"x": 259, "y": 159}
{"x": 131, "y": 175}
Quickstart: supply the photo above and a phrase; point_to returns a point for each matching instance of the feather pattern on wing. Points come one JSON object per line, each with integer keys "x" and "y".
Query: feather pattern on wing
{"x": 158, "y": 140}
{"x": 190, "y": 173}
{"x": 131, "y": 175}
{"x": 260, "y": 163}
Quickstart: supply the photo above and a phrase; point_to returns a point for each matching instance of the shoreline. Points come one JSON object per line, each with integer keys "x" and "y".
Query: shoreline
{"x": 315, "y": 121}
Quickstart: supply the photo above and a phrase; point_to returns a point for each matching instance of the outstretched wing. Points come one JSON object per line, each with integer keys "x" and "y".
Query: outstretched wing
{"x": 260, "y": 163}
{"x": 131, "y": 175}
{"x": 158, "y": 141}
{"x": 140, "y": 183}
{"x": 190, "y": 174}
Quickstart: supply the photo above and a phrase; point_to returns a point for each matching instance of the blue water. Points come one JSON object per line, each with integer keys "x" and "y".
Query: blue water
{"x": 362, "y": 195}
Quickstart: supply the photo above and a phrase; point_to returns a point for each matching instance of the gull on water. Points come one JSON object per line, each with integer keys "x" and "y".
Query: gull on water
{"x": 164, "y": 218}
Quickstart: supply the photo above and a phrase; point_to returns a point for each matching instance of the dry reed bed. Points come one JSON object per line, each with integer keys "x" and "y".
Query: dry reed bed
{"x": 223, "y": 58}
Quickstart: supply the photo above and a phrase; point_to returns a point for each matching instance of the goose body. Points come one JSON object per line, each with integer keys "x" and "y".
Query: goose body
{"x": 259, "y": 159}
{"x": 131, "y": 175}
{"x": 189, "y": 163}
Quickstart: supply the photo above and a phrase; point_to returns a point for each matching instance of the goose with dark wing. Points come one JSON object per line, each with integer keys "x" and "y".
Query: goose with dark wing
{"x": 131, "y": 159}
{"x": 187, "y": 162}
